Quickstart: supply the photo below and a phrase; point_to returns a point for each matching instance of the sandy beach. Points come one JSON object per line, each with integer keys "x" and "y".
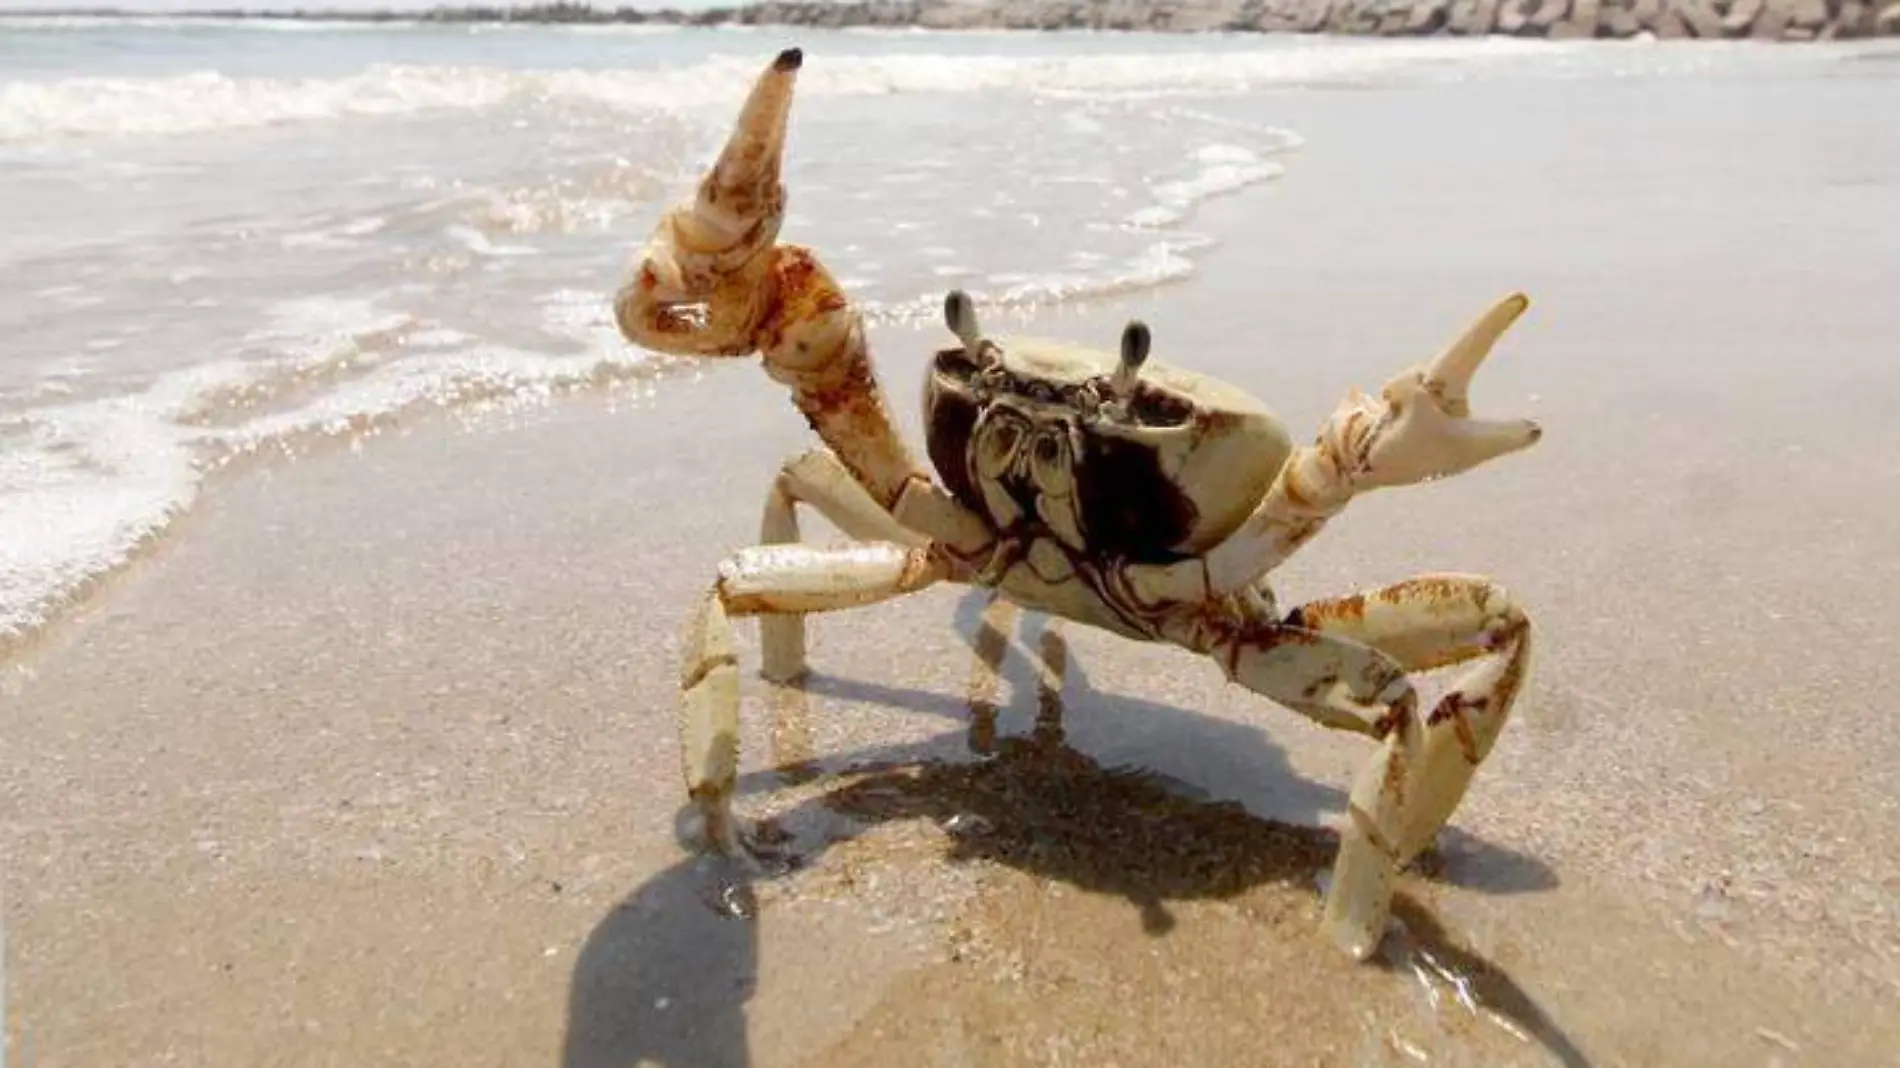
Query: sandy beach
{"x": 372, "y": 760}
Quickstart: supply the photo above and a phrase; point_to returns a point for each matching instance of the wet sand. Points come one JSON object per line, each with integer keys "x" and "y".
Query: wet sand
{"x": 374, "y": 763}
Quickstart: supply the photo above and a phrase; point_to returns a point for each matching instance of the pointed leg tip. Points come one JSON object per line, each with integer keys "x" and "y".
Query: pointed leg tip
{"x": 789, "y": 60}
{"x": 1357, "y": 944}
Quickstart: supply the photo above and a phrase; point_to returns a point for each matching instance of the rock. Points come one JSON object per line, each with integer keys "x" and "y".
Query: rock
{"x": 1582, "y": 22}
{"x": 1549, "y": 13}
{"x": 1473, "y": 18}
{"x": 1317, "y": 14}
{"x": 1669, "y": 26}
{"x": 1428, "y": 17}
{"x": 1618, "y": 19}
{"x": 1852, "y": 21}
{"x": 1741, "y": 15}
{"x": 1354, "y": 17}
{"x": 1777, "y": 20}
{"x": 1701, "y": 17}
{"x": 1772, "y": 22}
{"x": 1395, "y": 17}
{"x": 1809, "y": 13}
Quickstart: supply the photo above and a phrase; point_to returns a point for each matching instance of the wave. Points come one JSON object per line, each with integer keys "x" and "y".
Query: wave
{"x": 88, "y": 484}
{"x": 208, "y": 100}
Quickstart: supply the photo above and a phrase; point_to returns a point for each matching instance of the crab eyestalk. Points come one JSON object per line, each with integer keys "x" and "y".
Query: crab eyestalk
{"x": 959, "y": 314}
{"x": 1136, "y": 341}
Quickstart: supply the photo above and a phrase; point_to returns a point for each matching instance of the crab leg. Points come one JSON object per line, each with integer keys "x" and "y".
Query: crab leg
{"x": 1409, "y": 790}
{"x": 766, "y": 580}
{"x": 818, "y": 480}
{"x": 712, "y": 282}
{"x": 1341, "y": 684}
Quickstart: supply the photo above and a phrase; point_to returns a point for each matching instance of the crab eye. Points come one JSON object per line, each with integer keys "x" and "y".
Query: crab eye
{"x": 959, "y": 314}
{"x": 1136, "y": 341}
{"x": 1049, "y": 464}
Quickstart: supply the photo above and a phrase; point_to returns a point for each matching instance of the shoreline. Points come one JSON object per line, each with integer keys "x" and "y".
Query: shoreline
{"x": 1784, "y": 21}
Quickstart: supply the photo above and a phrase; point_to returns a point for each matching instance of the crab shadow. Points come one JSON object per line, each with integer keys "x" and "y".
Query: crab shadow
{"x": 665, "y": 977}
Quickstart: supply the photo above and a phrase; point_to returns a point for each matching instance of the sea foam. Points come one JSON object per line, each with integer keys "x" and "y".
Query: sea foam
{"x": 209, "y": 100}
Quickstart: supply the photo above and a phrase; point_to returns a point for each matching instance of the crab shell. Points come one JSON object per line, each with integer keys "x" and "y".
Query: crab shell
{"x": 1156, "y": 472}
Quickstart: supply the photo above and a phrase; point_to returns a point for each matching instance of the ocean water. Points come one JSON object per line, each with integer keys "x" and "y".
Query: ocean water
{"x": 220, "y": 240}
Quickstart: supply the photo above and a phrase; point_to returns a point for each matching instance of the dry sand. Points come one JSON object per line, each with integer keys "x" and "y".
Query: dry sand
{"x": 374, "y": 763}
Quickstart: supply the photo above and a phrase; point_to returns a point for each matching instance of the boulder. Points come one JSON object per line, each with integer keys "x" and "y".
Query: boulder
{"x": 1582, "y": 22}
{"x": 1772, "y": 23}
{"x": 1463, "y": 13}
{"x": 1514, "y": 15}
{"x": 1889, "y": 19}
{"x": 1741, "y": 15}
{"x": 1701, "y": 17}
{"x": 1317, "y": 13}
{"x": 1668, "y": 25}
{"x": 1394, "y": 17}
{"x": 1354, "y": 17}
{"x": 1549, "y": 13}
{"x": 1852, "y": 20}
{"x": 1428, "y": 17}
{"x": 1618, "y": 19}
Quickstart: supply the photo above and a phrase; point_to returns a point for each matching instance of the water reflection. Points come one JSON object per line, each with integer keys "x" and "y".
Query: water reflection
{"x": 664, "y": 979}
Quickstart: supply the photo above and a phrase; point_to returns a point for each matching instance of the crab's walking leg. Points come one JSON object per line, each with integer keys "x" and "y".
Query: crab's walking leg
{"x": 816, "y": 479}
{"x": 1408, "y": 791}
{"x": 1336, "y": 683}
{"x": 714, "y": 283}
{"x": 761, "y": 581}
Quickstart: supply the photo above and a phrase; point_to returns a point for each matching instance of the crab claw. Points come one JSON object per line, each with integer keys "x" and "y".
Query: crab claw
{"x": 1449, "y": 376}
{"x": 742, "y": 199}
{"x": 1424, "y": 430}
{"x": 700, "y": 287}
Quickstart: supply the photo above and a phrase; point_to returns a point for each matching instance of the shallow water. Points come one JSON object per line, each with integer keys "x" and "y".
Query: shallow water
{"x": 222, "y": 238}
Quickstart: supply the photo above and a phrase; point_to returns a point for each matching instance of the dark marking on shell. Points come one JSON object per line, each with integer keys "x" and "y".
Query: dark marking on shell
{"x": 951, "y": 418}
{"x": 1158, "y": 408}
{"x": 1130, "y": 507}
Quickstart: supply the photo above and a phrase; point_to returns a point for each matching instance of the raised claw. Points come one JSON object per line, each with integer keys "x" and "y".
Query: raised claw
{"x": 702, "y": 283}
{"x": 1424, "y": 430}
{"x": 1449, "y": 376}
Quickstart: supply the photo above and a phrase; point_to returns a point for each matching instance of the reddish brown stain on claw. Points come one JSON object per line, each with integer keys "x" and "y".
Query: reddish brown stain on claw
{"x": 1346, "y": 609}
{"x": 1436, "y": 589}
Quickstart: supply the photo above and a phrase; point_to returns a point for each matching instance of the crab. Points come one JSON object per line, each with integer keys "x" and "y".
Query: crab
{"x": 1106, "y": 488}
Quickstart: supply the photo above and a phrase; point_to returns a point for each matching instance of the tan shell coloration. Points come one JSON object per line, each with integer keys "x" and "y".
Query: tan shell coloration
{"x": 1145, "y": 500}
{"x": 1172, "y": 469}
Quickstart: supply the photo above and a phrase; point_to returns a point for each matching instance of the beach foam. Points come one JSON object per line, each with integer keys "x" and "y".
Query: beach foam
{"x": 88, "y": 485}
{"x": 209, "y": 100}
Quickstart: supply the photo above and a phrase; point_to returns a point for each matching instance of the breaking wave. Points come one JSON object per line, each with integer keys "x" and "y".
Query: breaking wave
{"x": 209, "y": 100}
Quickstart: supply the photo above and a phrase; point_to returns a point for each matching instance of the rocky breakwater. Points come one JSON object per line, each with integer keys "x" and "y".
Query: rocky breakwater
{"x": 1766, "y": 20}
